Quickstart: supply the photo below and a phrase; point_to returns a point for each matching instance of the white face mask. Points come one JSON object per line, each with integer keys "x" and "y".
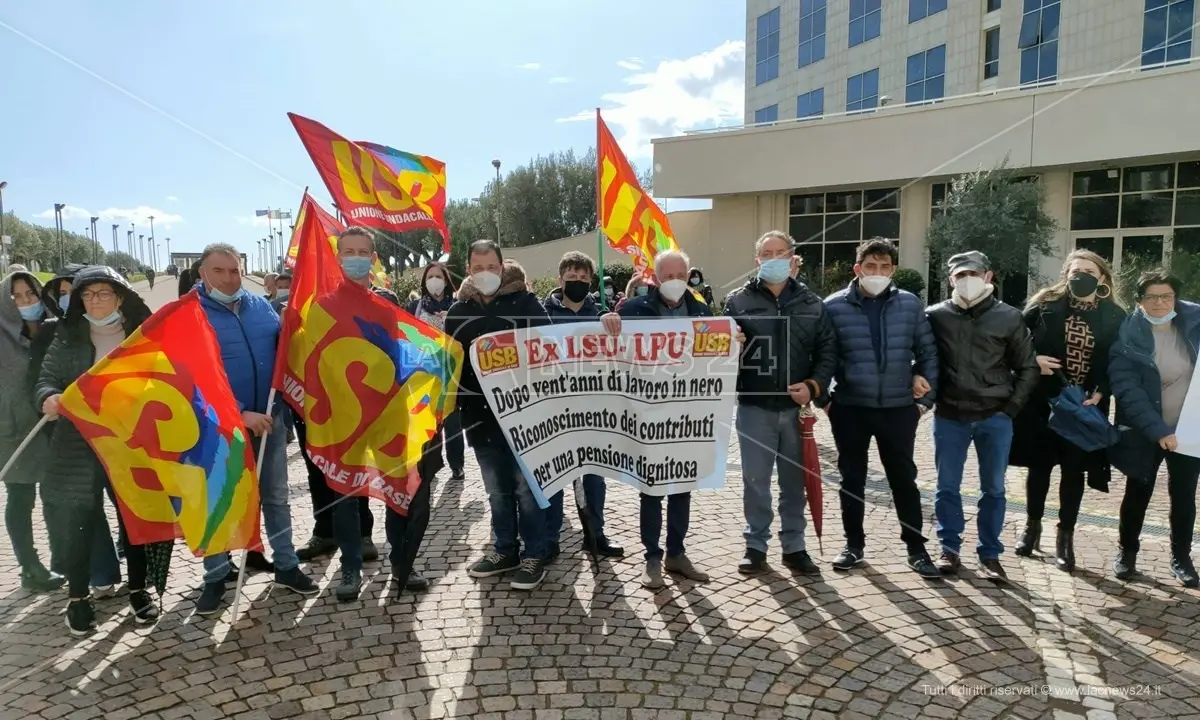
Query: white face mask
{"x": 970, "y": 288}
{"x": 874, "y": 284}
{"x": 487, "y": 282}
{"x": 672, "y": 290}
{"x": 435, "y": 285}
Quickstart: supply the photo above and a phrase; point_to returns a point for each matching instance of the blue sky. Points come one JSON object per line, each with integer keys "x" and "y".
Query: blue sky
{"x": 462, "y": 80}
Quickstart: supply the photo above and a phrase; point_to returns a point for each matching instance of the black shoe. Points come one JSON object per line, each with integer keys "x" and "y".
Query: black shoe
{"x": 801, "y": 562}
{"x": 847, "y": 559}
{"x": 296, "y": 581}
{"x": 604, "y": 547}
{"x": 923, "y": 566}
{"x": 317, "y": 547}
{"x": 494, "y": 564}
{"x": 1184, "y": 571}
{"x": 144, "y": 609}
{"x": 416, "y": 582}
{"x": 554, "y": 551}
{"x": 231, "y": 576}
{"x": 81, "y": 616}
{"x": 1030, "y": 537}
{"x": 210, "y": 598}
{"x": 351, "y": 585}
{"x": 1064, "y": 550}
{"x": 949, "y": 563}
{"x": 36, "y": 578}
{"x": 370, "y": 553}
{"x": 993, "y": 570}
{"x": 458, "y": 474}
{"x": 530, "y": 575}
{"x": 259, "y": 563}
{"x": 1125, "y": 564}
{"x": 753, "y": 562}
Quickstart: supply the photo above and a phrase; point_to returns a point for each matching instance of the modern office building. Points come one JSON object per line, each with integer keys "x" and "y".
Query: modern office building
{"x": 858, "y": 113}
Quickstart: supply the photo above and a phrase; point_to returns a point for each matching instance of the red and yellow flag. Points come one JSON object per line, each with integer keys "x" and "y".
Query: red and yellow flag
{"x": 375, "y": 185}
{"x": 629, "y": 218}
{"x": 160, "y": 415}
{"x": 332, "y": 228}
{"x": 371, "y": 382}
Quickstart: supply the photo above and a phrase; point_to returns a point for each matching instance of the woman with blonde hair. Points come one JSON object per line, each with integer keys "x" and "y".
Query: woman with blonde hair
{"x": 1074, "y": 324}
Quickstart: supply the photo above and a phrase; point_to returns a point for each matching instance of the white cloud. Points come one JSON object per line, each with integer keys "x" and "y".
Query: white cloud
{"x": 172, "y": 198}
{"x": 633, "y": 63}
{"x": 530, "y": 66}
{"x": 704, "y": 90}
{"x": 560, "y": 80}
{"x": 140, "y": 215}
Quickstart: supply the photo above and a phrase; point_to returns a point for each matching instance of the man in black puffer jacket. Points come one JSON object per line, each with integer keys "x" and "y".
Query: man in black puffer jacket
{"x": 887, "y": 373}
{"x": 987, "y": 371}
{"x": 787, "y": 362}
{"x": 492, "y": 299}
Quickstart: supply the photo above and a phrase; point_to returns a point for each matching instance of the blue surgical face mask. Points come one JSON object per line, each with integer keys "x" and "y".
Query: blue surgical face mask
{"x": 227, "y": 299}
{"x": 357, "y": 267}
{"x": 33, "y": 313}
{"x": 110, "y": 319}
{"x": 64, "y": 301}
{"x": 775, "y": 270}
{"x": 1160, "y": 320}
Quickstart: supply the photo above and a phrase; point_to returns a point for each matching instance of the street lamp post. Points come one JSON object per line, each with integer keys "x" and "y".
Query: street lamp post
{"x": 129, "y": 243}
{"x": 141, "y": 248}
{"x": 58, "y": 224}
{"x": 153, "y": 252}
{"x": 132, "y": 247}
{"x": 95, "y": 242}
{"x": 116, "y": 247}
{"x": 496, "y": 199}
{"x": 169, "y": 251}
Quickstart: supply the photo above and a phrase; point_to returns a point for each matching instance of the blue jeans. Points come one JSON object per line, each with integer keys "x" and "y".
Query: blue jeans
{"x": 593, "y": 493}
{"x": 513, "y": 507}
{"x": 951, "y": 439}
{"x": 770, "y": 440}
{"x": 273, "y": 491}
{"x": 679, "y": 513}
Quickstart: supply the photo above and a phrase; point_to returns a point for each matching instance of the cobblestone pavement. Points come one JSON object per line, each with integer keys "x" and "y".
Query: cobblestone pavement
{"x": 876, "y": 643}
{"x": 879, "y": 642}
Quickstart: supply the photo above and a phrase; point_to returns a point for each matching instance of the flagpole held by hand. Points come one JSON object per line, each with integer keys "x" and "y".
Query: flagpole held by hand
{"x": 242, "y": 569}
{"x": 12, "y": 461}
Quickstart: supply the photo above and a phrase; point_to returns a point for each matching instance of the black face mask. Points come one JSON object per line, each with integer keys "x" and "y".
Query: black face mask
{"x": 576, "y": 290}
{"x": 1082, "y": 284}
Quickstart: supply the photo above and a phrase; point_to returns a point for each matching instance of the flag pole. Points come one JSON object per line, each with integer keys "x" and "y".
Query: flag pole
{"x": 243, "y": 571}
{"x": 24, "y": 444}
{"x": 600, "y": 221}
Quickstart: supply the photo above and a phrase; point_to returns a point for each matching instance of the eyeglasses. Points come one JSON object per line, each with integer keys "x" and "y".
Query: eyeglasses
{"x": 1165, "y": 298}
{"x": 101, "y": 295}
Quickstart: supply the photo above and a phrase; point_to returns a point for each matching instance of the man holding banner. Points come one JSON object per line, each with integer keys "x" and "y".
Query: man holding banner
{"x": 247, "y": 331}
{"x": 494, "y": 298}
{"x": 668, "y": 298}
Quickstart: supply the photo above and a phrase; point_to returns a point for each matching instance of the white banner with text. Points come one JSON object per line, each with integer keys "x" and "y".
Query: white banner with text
{"x": 651, "y": 407}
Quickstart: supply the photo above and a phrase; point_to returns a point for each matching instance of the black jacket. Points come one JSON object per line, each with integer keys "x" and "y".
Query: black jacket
{"x": 560, "y": 313}
{"x": 512, "y": 308}
{"x": 986, "y": 359}
{"x": 789, "y": 339}
{"x": 1034, "y": 443}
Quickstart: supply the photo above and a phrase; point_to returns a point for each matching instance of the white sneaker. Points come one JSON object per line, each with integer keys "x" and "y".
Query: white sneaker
{"x": 106, "y": 591}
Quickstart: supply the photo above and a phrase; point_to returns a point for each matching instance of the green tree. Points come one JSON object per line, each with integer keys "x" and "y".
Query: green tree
{"x": 997, "y": 213}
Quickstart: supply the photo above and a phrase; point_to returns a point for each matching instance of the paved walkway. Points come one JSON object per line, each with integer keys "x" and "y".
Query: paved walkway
{"x": 877, "y": 643}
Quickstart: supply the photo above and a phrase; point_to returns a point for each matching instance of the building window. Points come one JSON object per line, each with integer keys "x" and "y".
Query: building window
{"x": 812, "y": 31}
{"x": 991, "y": 6}
{"x": 766, "y": 67}
{"x": 1038, "y": 41}
{"x": 921, "y": 9}
{"x": 991, "y": 53}
{"x": 828, "y": 227}
{"x": 862, "y": 91}
{"x": 1129, "y": 213}
{"x": 768, "y": 114}
{"x": 926, "y": 78}
{"x": 866, "y": 17}
{"x": 1167, "y": 31}
{"x": 811, "y": 104}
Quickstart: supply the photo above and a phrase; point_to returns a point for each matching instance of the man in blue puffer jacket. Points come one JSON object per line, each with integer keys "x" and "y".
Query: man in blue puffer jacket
{"x": 886, "y": 374}
{"x": 247, "y": 331}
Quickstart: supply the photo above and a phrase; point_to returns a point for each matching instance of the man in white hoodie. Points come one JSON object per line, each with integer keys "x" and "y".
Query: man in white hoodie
{"x": 986, "y": 372}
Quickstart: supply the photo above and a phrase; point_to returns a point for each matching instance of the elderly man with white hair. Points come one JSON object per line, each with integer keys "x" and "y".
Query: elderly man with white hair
{"x": 668, "y": 297}
{"x": 270, "y": 284}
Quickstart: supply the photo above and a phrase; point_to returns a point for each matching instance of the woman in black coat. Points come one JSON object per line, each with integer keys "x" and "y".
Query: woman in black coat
{"x": 1074, "y": 324}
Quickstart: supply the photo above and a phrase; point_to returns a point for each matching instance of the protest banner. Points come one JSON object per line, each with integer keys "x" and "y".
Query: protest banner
{"x": 651, "y": 407}
{"x": 1187, "y": 432}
